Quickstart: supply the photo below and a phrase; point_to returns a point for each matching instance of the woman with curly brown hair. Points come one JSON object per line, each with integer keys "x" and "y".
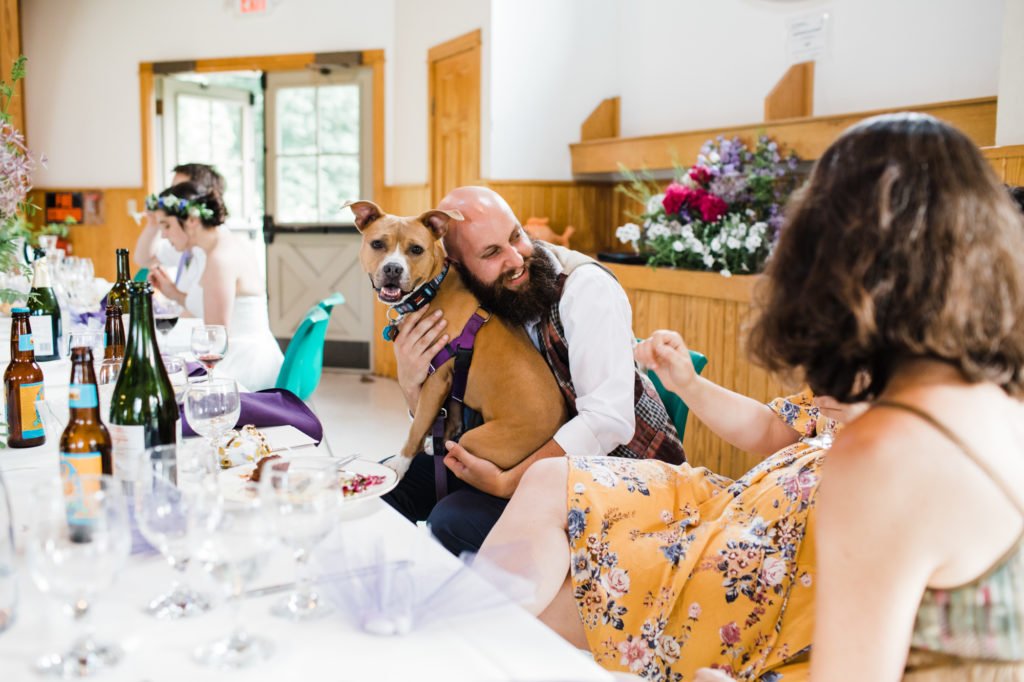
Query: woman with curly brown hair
{"x": 898, "y": 279}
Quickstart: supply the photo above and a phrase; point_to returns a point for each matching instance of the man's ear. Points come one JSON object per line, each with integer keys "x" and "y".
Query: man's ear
{"x": 437, "y": 221}
{"x": 365, "y": 211}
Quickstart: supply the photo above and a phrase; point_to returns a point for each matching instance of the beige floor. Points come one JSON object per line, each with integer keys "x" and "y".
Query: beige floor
{"x": 365, "y": 418}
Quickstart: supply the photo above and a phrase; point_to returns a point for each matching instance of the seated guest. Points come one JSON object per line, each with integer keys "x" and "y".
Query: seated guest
{"x": 553, "y": 292}
{"x": 232, "y": 289}
{"x": 154, "y": 251}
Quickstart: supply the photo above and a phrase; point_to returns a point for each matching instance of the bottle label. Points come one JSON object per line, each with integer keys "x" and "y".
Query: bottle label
{"x": 128, "y": 445}
{"x": 31, "y": 419}
{"x": 73, "y": 465}
{"x": 25, "y": 342}
{"x": 83, "y": 396}
{"x": 42, "y": 335}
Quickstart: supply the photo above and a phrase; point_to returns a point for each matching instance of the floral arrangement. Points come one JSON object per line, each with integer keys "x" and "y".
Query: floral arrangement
{"x": 16, "y": 166}
{"x": 722, "y": 214}
{"x": 180, "y": 208}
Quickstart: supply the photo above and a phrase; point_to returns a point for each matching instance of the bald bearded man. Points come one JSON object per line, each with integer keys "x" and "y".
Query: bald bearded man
{"x": 580, "y": 320}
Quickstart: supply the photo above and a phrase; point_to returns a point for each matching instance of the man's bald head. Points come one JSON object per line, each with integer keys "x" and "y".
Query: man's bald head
{"x": 480, "y": 207}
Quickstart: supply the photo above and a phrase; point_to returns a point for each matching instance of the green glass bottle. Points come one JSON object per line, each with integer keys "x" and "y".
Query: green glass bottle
{"x": 119, "y": 293}
{"x": 46, "y": 323}
{"x": 143, "y": 412}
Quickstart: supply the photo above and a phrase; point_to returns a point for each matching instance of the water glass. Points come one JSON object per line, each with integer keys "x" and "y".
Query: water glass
{"x": 177, "y": 372}
{"x": 209, "y": 344}
{"x": 213, "y": 407}
{"x": 79, "y": 542}
{"x": 303, "y": 502}
{"x": 82, "y": 338}
{"x": 165, "y": 491}
{"x": 8, "y": 576}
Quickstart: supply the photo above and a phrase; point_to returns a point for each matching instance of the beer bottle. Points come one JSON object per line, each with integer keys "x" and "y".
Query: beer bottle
{"x": 85, "y": 443}
{"x": 119, "y": 293}
{"x": 46, "y": 322}
{"x": 114, "y": 334}
{"x": 143, "y": 412}
{"x": 23, "y": 386}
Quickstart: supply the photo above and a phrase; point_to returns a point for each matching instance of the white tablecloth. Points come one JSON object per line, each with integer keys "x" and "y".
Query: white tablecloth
{"x": 503, "y": 643}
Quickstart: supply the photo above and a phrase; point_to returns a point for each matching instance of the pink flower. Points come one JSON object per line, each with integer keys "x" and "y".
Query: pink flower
{"x": 700, "y": 175}
{"x": 635, "y": 653}
{"x": 730, "y": 633}
{"x": 712, "y": 207}
{"x": 616, "y": 582}
{"x": 805, "y": 579}
{"x": 695, "y": 610}
{"x": 675, "y": 197}
{"x": 773, "y": 571}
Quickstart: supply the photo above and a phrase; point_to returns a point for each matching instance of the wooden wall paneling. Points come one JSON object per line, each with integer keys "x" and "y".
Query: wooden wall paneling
{"x": 98, "y": 242}
{"x": 406, "y": 199}
{"x": 808, "y": 137}
{"x": 10, "y": 48}
{"x": 793, "y": 95}
{"x": 375, "y": 60}
{"x": 603, "y": 121}
{"x": 1008, "y": 162}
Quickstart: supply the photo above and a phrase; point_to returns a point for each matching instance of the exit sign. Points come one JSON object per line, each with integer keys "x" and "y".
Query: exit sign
{"x": 252, "y": 6}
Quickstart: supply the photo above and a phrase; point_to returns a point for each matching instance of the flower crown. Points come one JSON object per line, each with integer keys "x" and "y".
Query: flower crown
{"x": 181, "y": 208}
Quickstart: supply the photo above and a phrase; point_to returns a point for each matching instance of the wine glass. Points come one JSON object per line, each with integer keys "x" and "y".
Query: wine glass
{"x": 166, "y": 316}
{"x": 164, "y": 508}
{"x": 177, "y": 372}
{"x": 84, "y": 338}
{"x": 79, "y": 542}
{"x": 233, "y": 547}
{"x": 209, "y": 344}
{"x": 212, "y": 408}
{"x": 303, "y": 502}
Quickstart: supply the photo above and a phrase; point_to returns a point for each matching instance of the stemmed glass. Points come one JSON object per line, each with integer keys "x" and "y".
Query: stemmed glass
{"x": 164, "y": 508}
{"x": 209, "y": 344}
{"x": 303, "y": 500}
{"x": 166, "y": 317}
{"x": 212, "y": 408}
{"x": 80, "y": 541}
{"x": 233, "y": 546}
{"x": 177, "y": 372}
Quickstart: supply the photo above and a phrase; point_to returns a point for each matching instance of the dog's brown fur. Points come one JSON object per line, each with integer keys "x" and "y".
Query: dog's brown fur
{"x": 509, "y": 382}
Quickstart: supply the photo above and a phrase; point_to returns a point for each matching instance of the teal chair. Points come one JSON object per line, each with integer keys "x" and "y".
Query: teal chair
{"x": 141, "y": 275}
{"x": 674, "y": 405}
{"x": 304, "y": 357}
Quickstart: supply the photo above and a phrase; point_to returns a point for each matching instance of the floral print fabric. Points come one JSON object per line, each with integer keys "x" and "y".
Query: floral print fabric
{"x": 675, "y": 568}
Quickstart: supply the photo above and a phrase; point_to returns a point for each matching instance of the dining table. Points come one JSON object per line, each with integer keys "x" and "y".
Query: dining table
{"x": 492, "y": 639}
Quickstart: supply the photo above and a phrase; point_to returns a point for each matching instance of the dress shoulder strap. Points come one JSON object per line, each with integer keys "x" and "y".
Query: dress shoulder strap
{"x": 961, "y": 445}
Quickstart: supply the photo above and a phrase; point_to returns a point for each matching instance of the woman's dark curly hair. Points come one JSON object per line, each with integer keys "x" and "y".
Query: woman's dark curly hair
{"x": 902, "y": 244}
{"x": 212, "y": 200}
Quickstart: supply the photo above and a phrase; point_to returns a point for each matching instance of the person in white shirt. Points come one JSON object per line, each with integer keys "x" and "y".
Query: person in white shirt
{"x": 156, "y": 252}
{"x": 578, "y": 317}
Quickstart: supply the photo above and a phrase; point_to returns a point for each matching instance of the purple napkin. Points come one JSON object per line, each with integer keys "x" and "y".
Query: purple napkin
{"x": 272, "y": 407}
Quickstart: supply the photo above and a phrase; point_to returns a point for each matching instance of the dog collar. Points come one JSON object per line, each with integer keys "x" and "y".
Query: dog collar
{"x": 416, "y": 300}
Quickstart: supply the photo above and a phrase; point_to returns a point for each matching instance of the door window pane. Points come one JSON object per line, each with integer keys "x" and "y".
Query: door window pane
{"x": 225, "y": 131}
{"x": 296, "y": 183}
{"x": 339, "y": 182}
{"x": 338, "y": 112}
{"x": 296, "y": 120}
{"x": 193, "y": 127}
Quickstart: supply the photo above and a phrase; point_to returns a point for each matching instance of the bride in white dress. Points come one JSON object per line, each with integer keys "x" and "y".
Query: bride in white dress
{"x": 232, "y": 286}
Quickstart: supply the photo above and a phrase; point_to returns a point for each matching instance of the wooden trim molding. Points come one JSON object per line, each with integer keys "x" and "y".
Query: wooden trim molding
{"x": 375, "y": 59}
{"x": 1008, "y": 162}
{"x": 808, "y": 137}
{"x": 455, "y": 46}
{"x": 10, "y": 48}
{"x": 793, "y": 95}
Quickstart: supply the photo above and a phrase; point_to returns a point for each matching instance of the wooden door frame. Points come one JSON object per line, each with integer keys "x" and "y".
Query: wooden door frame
{"x": 267, "y": 63}
{"x": 469, "y": 41}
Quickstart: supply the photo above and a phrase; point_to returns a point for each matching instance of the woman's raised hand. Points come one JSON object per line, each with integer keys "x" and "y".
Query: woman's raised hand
{"x": 666, "y": 353}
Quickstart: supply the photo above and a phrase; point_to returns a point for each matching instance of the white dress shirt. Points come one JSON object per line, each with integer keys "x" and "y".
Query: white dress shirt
{"x": 598, "y": 324}
{"x": 187, "y": 280}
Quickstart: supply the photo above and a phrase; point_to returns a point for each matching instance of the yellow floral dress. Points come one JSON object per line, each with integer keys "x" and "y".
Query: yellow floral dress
{"x": 675, "y": 568}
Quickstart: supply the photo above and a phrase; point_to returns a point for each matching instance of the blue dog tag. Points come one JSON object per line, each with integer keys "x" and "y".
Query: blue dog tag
{"x": 390, "y": 332}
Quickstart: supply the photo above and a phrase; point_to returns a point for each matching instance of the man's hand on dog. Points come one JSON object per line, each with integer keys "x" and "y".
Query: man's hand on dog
{"x": 420, "y": 338}
{"x": 479, "y": 473}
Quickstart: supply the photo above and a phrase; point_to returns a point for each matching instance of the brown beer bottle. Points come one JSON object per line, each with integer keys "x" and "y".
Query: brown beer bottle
{"x": 85, "y": 446}
{"x": 23, "y": 386}
{"x": 115, "y": 339}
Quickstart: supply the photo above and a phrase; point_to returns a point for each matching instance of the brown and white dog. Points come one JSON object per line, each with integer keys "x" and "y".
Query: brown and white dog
{"x": 509, "y": 382}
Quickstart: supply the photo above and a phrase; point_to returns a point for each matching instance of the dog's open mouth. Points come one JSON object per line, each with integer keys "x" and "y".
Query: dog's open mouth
{"x": 390, "y": 294}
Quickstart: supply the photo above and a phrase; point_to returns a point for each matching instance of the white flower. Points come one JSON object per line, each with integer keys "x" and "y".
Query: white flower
{"x": 687, "y": 181}
{"x": 578, "y": 488}
{"x": 753, "y": 242}
{"x": 709, "y": 260}
{"x": 714, "y": 157}
{"x": 658, "y": 230}
{"x": 616, "y": 582}
{"x": 666, "y": 516}
{"x": 676, "y": 227}
{"x": 773, "y": 571}
{"x": 668, "y": 649}
{"x": 603, "y": 475}
{"x": 654, "y": 203}
{"x": 694, "y": 611}
{"x": 732, "y": 243}
{"x": 630, "y": 232}
{"x": 677, "y": 246}
{"x": 726, "y": 273}
{"x": 716, "y": 245}
{"x": 750, "y": 213}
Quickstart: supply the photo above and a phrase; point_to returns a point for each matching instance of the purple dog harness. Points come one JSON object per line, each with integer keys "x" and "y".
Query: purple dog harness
{"x": 461, "y": 350}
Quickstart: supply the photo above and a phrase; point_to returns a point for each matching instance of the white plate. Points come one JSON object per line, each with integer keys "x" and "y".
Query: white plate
{"x": 233, "y": 481}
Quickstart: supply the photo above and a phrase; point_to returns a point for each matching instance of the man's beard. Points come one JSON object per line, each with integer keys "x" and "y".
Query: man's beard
{"x": 523, "y": 305}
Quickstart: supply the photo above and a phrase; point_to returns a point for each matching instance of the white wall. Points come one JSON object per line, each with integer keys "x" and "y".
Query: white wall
{"x": 1010, "y": 115}
{"x": 552, "y": 62}
{"x": 82, "y": 91}
{"x": 420, "y": 25}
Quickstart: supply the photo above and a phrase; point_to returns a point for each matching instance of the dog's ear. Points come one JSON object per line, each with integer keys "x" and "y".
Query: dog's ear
{"x": 365, "y": 211}
{"x": 437, "y": 221}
